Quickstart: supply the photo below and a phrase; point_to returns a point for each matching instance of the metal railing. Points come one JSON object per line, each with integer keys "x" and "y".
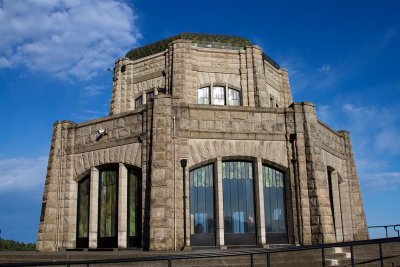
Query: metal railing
{"x": 169, "y": 259}
{"x": 396, "y": 228}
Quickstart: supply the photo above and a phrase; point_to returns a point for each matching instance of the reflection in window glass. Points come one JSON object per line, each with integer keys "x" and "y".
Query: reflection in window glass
{"x": 149, "y": 95}
{"x": 238, "y": 197}
{"x": 203, "y": 95}
{"x": 138, "y": 102}
{"x": 108, "y": 203}
{"x": 202, "y": 200}
{"x": 218, "y": 95}
{"x": 233, "y": 97}
{"x": 274, "y": 200}
{"x": 83, "y": 209}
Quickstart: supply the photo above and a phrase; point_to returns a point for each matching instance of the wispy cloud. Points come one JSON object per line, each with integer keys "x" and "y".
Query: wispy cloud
{"x": 21, "y": 174}
{"x": 304, "y": 77}
{"x": 68, "y": 39}
{"x": 93, "y": 90}
{"x": 382, "y": 181}
{"x": 325, "y": 67}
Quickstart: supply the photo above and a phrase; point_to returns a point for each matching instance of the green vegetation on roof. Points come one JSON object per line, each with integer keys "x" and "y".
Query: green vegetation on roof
{"x": 199, "y": 39}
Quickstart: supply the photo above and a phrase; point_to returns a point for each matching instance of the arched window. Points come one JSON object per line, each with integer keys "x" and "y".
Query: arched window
{"x": 274, "y": 205}
{"x": 220, "y": 95}
{"x": 233, "y": 97}
{"x": 238, "y": 199}
{"x": 108, "y": 208}
{"x": 82, "y": 229}
{"x": 202, "y": 224}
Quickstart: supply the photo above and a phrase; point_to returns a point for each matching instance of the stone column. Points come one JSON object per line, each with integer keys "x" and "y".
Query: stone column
{"x": 181, "y": 71}
{"x": 243, "y": 78}
{"x": 261, "y": 95}
{"x": 322, "y": 227}
{"x": 48, "y": 219}
{"x": 161, "y": 193}
{"x": 301, "y": 176}
{"x": 360, "y": 228}
{"x": 94, "y": 206}
{"x": 219, "y": 205}
{"x": 259, "y": 192}
{"x": 287, "y": 92}
{"x": 122, "y": 206}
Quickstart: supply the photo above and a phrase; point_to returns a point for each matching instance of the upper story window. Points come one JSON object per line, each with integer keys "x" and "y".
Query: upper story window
{"x": 220, "y": 95}
{"x": 138, "y": 101}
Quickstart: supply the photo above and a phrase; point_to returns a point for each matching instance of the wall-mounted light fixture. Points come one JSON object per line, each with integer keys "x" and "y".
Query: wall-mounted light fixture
{"x": 100, "y": 133}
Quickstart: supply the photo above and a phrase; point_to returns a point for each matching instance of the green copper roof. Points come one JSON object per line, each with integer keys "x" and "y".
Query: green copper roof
{"x": 199, "y": 39}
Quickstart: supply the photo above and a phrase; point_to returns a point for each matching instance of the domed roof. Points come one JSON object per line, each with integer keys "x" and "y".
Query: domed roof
{"x": 199, "y": 39}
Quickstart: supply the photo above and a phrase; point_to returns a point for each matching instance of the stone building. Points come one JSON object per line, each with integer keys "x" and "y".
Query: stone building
{"x": 203, "y": 146}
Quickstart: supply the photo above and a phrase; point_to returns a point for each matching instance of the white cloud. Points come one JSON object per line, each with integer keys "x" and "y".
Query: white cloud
{"x": 18, "y": 174}
{"x": 66, "y": 38}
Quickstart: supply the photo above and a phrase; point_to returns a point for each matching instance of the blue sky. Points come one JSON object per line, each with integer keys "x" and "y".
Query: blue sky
{"x": 341, "y": 55}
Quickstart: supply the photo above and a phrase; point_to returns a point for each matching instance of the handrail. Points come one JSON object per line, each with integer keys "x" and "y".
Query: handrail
{"x": 268, "y": 252}
{"x": 396, "y": 227}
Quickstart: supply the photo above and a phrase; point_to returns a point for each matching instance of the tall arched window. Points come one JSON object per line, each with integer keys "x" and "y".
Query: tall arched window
{"x": 218, "y": 95}
{"x": 202, "y": 223}
{"x": 239, "y": 214}
{"x": 108, "y": 209}
{"x": 275, "y": 206}
{"x": 82, "y": 229}
{"x": 134, "y": 208}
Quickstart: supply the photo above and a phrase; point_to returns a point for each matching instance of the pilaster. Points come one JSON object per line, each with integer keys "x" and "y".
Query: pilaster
{"x": 219, "y": 200}
{"x": 94, "y": 207}
{"x": 122, "y": 206}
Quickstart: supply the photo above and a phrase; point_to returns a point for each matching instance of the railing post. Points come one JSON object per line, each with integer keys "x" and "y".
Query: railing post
{"x": 352, "y": 255}
{"x": 386, "y": 231}
{"x": 169, "y": 262}
{"x": 323, "y": 257}
{"x": 268, "y": 259}
{"x": 251, "y": 260}
{"x": 380, "y": 254}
